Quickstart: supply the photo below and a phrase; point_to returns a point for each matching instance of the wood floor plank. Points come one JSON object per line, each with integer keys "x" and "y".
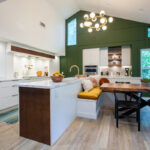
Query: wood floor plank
{"x": 87, "y": 134}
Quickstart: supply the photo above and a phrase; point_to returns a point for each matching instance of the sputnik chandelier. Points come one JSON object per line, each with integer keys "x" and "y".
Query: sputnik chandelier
{"x": 91, "y": 21}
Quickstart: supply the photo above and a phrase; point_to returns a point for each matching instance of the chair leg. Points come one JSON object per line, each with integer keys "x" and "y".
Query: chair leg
{"x": 117, "y": 122}
{"x": 138, "y": 116}
{"x": 117, "y": 118}
{"x": 115, "y": 111}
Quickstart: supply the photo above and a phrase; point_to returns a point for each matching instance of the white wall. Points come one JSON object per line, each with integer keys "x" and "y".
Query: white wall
{"x": 6, "y": 62}
{"x": 20, "y": 22}
{"x": 2, "y": 59}
{"x": 54, "y": 65}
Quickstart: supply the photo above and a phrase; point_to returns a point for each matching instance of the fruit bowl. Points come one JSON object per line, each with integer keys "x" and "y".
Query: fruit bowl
{"x": 57, "y": 78}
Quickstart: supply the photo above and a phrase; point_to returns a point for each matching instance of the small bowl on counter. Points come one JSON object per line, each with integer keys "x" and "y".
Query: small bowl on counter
{"x": 57, "y": 78}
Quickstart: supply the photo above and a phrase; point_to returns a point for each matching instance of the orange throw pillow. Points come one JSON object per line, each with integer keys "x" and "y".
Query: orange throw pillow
{"x": 93, "y": 80}
{"x": 103, "y": 80}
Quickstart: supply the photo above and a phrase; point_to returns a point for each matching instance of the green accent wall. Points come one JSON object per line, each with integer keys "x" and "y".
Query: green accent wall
{"x": 120, "y": 32}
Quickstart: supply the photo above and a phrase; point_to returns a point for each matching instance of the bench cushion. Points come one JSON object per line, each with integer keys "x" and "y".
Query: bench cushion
{"x": 92, "y": 94}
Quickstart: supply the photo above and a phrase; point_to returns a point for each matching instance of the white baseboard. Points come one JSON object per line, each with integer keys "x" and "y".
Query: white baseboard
{"x": 87, "y": 115}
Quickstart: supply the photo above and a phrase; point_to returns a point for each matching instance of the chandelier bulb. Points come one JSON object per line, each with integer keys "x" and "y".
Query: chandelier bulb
{"x": 82, "y": 25}
{"x": 97, "y": 25}
{"x": 102, "y": 20}
{"x": 86, "y": 17}
{"x": 90, "y": 30}
{"x": 104, "y": 28}
{"x": 87, "y": 23}
{"x": 110, "y": 19}
{"x": 92, "y": 14}
{"x": 102, "y": 12}
{"x": 94, "y": 19}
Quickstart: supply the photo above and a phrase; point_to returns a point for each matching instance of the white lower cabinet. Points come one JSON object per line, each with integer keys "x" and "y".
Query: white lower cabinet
{"x": 8, "y": 95}
{"x": 9, "y": 92}
{"x": 7, "y": 102}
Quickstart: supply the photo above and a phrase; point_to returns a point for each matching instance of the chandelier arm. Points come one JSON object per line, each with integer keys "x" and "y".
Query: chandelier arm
{"x": 93, "y": 27}
{"x": 96, "y": 17}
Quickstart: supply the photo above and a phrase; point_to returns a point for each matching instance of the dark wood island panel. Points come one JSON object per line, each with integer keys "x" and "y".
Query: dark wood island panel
{"x": 35, "y": 114}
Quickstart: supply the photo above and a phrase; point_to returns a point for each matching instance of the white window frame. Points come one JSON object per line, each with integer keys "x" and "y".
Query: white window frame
{"x": 141, "y": 60}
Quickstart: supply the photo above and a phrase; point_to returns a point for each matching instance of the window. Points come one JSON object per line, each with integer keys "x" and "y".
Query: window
{"x": 149, "y": 32}
{"x": 72, "y": 32}
{"x": 145, "y": 63}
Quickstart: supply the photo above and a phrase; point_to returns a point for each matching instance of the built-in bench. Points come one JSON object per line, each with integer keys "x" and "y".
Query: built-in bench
{"x": 88, "y": 103}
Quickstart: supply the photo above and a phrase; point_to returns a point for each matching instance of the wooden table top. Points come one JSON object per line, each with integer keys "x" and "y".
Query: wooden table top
{"x": 125, "y": 87}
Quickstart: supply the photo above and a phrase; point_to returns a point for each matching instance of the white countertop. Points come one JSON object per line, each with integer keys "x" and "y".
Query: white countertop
{"x": 119, "y": 77}
{"x": 49, "y": 84}
{"x": 22, "y": 78}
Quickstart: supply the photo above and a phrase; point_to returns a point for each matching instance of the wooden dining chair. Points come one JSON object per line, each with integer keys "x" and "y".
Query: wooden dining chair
{"x": 103, "y": 80}
{"x": 126, "y": 104}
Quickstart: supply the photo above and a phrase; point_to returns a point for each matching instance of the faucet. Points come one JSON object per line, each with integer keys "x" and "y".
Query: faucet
{"x": 74, "y": 66}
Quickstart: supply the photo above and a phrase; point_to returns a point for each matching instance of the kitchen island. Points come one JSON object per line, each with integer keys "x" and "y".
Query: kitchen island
{"x": 47, "y": 108}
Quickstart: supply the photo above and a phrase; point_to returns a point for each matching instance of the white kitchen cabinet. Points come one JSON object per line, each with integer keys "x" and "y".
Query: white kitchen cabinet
{"x": 9, "y": 92}
{"x": 126, "y": 55}
{"x": 10, "y": 101}
{"x": 103, "y": 57}
{"x": 91, "y": 56}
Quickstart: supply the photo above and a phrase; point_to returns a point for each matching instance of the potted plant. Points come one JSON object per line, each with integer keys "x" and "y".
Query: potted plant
{"x": 145, "y": 82}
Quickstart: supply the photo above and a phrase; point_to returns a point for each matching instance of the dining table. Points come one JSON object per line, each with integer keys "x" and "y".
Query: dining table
{"x": 128, "y": 88}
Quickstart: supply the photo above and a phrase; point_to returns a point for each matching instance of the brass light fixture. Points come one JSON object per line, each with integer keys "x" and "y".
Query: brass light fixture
{"x": 91, "y": 21}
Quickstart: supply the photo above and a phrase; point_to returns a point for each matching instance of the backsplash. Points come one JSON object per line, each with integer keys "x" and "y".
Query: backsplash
{"x": 115, "y": 71}
{"x": 29, "y": 65}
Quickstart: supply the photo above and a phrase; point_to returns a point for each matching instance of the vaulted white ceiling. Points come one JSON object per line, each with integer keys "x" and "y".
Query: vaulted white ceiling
{"x": 137, "y": 10}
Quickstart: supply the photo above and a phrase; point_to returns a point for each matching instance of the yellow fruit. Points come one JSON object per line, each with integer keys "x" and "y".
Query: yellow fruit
{"x": 57, "y": 74}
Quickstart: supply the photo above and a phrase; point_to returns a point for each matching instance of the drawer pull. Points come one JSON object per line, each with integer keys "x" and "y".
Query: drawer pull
{"x": 14, "y": 95}
{"x": 14, "y": 85}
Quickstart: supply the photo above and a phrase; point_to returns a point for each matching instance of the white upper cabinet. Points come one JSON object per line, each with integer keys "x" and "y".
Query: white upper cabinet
{"x": 91, "y": 56}
{"x": 126, "y": 56}
{"x": 103, "y": 55}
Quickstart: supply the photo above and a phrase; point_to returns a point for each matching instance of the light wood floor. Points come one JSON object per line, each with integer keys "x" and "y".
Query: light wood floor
{"x": 86, "y": 134}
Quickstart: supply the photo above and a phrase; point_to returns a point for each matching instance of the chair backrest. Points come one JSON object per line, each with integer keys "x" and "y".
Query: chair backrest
{"x": 103, "y": 80}
{"x": 129, "y": 96}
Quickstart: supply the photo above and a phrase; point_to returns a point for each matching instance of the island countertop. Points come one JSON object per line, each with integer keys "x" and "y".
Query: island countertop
{"x": 49, "y": 84}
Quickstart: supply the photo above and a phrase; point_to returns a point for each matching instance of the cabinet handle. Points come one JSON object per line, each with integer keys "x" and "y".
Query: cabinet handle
{"x": 14, "y": 85}
{"x": 15, "y": 80}
{"x": 14, "y": 95}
